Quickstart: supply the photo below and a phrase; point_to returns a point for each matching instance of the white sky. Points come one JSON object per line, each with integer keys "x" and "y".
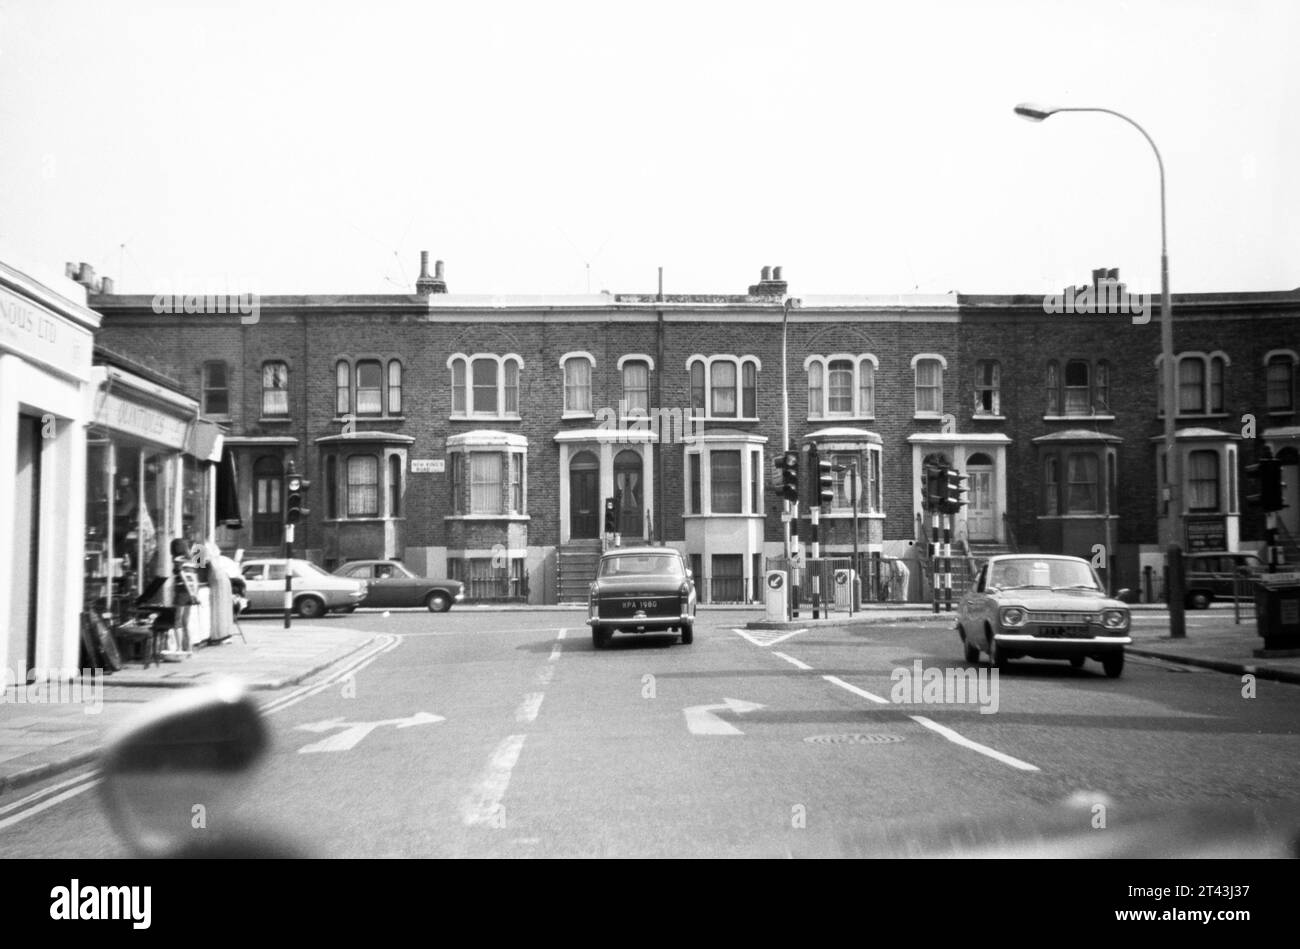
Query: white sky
{"x": 866, "y": 147}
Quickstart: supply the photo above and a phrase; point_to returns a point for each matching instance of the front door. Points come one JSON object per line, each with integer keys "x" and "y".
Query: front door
{"x": 979, "y": 507}
{"x": 629, "y": 489}
{"x": 584, "y": 497}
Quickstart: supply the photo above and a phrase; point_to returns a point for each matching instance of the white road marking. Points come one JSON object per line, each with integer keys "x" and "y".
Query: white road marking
{"x": 529, "y": 707}
{"x": 957, "y": 739}
{"x": 46, "y": 805}
{"x": 835, "y": 680}
{"x": 387, "y": 644}
{"x": 557, "y": 649}
{"x": 52, "y": 789}
{"x": 792, "y": 660}
{"x": 701, "y": 720}
{"x": 765, "y": 638}
{"x": 353, "y": 732}
{"x": 484, "y": 805}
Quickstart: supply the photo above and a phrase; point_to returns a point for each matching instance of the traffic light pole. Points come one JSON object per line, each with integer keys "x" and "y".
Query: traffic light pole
{"x": 288, "y": 574}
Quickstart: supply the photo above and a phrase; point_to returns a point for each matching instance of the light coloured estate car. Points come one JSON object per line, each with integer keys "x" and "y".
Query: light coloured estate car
{"x": 315, "y": 592}
{"x": 639, "y": 590}
{"x": 1044, "y": 607}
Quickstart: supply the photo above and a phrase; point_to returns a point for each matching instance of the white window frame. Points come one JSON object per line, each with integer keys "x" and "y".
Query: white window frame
{"x": 1207, "y": 382}
{"x": 348, "y": 386}
{"x": 570, "y": 411}
{"x": 858, "y": 412}
{"x": 649, "y": 363}
{"x": 503, "y": 362}
{"x": 739, "y": 362}
{"x": 917, "y": 412}
{"x": 750, "y": 454}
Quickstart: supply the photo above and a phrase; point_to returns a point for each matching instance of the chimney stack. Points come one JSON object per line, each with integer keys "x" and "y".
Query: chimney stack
{"x": 425, "y": 284}
{"x": 770, "y": 284}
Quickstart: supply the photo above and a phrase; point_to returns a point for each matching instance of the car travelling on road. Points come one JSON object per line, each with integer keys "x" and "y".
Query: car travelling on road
{"x": 641, "y": 589}
{"x": 393, "y": 585}
{"x": 315, "y": 592}
{"x": 1044, "y": 607}
{"x": 1209, "y": 576}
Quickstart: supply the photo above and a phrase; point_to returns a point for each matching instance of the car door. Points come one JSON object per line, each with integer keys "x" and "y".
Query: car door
{"x": 388, "y": 587}
{"x": 255, "y": 583}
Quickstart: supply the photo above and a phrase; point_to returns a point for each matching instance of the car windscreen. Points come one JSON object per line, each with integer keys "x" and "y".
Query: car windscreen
{"x": 1045, "y": 573}
{"x": 641, "y": 565}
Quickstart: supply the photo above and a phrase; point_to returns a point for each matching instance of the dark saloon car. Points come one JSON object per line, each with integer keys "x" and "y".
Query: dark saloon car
{"x": 1045, "y": 607}
{"x": 1212, "y": 576}
{"x": 639, "y": 590}
{"x": 393, "y": 585}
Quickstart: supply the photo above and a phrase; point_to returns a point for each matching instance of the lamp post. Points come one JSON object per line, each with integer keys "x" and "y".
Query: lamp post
{"x": 1174, "y": 483}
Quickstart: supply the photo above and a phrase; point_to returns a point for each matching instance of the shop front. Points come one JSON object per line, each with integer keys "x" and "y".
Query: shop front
{"x": 150, "y": 480}
{"x": 46, "y": 345}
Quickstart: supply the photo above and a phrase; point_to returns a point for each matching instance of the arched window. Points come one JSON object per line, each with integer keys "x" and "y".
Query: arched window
{"x": 636, "y": 384}
{"x": 1279, "y": 375}
{"x": 577, "y": 382}
{"x": 929, "y": 385}
{"x": 485, "y": 385}
{"x": 724, "y": 386}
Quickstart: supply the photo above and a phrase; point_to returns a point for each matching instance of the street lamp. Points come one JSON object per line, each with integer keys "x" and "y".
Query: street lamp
{"x": 1174, "y": 486}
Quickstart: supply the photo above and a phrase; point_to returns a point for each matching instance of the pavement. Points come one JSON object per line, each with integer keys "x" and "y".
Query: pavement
{"x": 52, "y": 732}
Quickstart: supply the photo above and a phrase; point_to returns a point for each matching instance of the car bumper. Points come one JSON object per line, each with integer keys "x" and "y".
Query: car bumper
{"x": 1048, "y": 646}
{"x": 645, "y": 623}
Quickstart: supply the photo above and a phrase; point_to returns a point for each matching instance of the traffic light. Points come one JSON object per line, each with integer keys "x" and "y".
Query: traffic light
{"x": 788, "y": 464}
{"x": 611, "y": 516}
{"x": 825, "y": 482}
{"x": 1267, "y": 470}
{"x": 295, "y": 494}
{"x": 954, "y": 490}
{"x": 931, "y": 486}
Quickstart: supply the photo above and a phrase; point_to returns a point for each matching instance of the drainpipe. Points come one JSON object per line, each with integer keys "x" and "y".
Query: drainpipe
{"x": 659, "y": 402}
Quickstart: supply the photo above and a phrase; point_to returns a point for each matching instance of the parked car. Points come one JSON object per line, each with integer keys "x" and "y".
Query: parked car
{"x": 1045, "y": 607}
{"x": 393, "y": 585}
{"x": 315, "y": 592}
{"x": 1209, "y": 576}
{"x": 641, "y": 589}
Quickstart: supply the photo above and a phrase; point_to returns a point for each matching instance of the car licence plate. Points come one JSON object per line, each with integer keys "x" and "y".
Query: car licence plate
{"x": 1063, "y": 632}
{"x": 637, "y": 604}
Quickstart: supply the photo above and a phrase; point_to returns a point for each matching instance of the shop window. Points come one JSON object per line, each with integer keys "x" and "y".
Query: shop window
{"x": 216, "y": 389}
{"x": 363, "y": 486}
{"x": 1203, "y": 480}
{"x": 275, "y": 389}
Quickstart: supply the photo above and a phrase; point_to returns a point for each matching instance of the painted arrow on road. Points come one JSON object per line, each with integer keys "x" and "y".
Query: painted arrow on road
{"x": 353, "y": 732}
{"x": 701, "y": 720}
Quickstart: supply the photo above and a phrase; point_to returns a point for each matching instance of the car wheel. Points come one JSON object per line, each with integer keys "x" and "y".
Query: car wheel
{"x": 1076, "y": 662}
{"x": 970, "y": 649}
{"x": 437, "y": 602}
{"x": 599, "y": 637}
{"x": 1113, "y": 665}
{"x": 997, "y": 658}
{"x": 310, "y": 607}
{"x": 688, "y": 634}
{"x": 1198, "y": 601}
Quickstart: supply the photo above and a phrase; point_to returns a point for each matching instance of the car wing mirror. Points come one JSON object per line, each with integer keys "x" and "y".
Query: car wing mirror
{"x": 187, "y": 755}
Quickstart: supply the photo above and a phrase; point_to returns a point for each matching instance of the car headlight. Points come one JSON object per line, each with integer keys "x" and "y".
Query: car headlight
{"x": 1114, "y": 619}
{"x": 1013, "y": 617}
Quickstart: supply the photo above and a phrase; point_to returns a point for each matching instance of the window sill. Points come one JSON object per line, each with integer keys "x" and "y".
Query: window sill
{"x": 1082, "y": 417}
{"x": 513, "y": 417}
{"x": 848, "y": 515}
{"x": 275, "y": 420}
{"x": 222, "y": 417}
{"x": 1194, "y": 416}
{"x": 487, "y": 517}
{"x": 366, "y": 519}
{"x": 988, "y": 418}
{"x": 1078, "y": 517}
{"x": 1280, "y": 413}
{"x": 723, "y": 418}
{"x": 927, "y": 417}
{"x": 757, "y": 517}
{"x": 574, "y": 415}
{"x": 822, "y": 419}
{"x": 356, "y": 419}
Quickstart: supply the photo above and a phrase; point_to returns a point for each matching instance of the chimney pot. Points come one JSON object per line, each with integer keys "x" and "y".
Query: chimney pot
{"x": 86, "y": 275}
{"x": 424, "y": 263}
{"x": 437, "y": 270}
{"x": 1112, "y": 273}
{"x": 776, "y": 273}
{"x": 106, "y": 285}
{"x": 766, "y": 274}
